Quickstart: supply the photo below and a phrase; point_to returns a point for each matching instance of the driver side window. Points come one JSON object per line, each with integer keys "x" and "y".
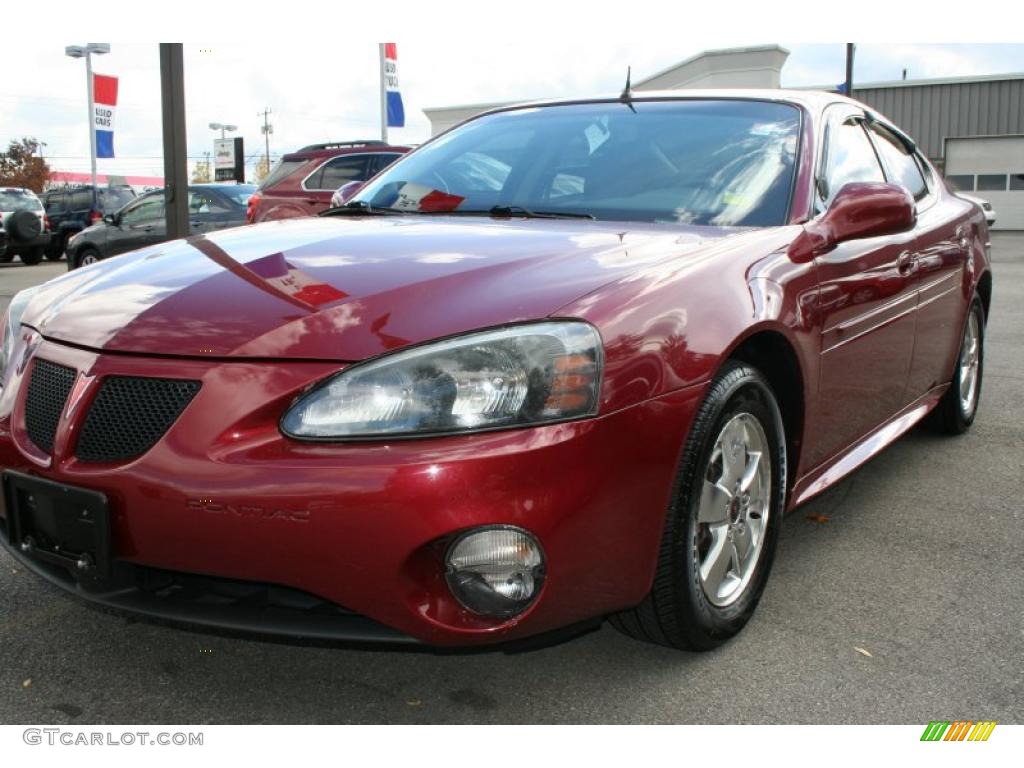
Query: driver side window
{"x": 850, "y": 158}
{"x": 147, "y": 209}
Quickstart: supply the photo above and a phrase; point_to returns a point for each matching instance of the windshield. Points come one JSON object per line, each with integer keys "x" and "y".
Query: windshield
{"x": 707, "y": 162}
{"x": 19, "y": 200}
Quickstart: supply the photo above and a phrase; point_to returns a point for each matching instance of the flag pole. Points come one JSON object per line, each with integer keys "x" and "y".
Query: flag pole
{"x": 383, "y": 99}
{"x": 92, "y": 118}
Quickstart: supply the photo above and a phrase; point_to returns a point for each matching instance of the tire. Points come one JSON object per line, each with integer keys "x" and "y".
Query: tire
{"x": 86, "y": 256}
{"x": 32, "y": 256}
{"x": 23, "y": 226}
{"x": 684, "y": 609}
{"x": 956, "y": 410}
{"x": 55, "y": 251}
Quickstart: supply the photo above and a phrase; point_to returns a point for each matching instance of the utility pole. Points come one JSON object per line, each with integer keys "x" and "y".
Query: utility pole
{"x": 267, "y": 130}
{"x": 849, "y": 70}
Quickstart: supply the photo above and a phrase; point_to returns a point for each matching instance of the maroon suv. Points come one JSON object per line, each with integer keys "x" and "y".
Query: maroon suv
{"x": 301, "y": 184}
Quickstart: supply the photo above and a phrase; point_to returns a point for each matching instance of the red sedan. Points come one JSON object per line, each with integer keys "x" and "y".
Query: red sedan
{"x": 567, "y": 361}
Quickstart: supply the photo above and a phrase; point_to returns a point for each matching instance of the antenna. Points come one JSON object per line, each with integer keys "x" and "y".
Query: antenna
{"x": 626, "y": 97}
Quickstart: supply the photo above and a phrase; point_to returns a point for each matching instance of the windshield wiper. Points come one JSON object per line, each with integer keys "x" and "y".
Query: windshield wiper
{"x": 361, "y": 208}
{"x": 504, "y": 211}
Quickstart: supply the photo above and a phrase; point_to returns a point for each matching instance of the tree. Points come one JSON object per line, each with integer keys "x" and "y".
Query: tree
{"x": 262, "y": 169}
{"x": 201, "y": 173}
{"x": 20, "y": 166}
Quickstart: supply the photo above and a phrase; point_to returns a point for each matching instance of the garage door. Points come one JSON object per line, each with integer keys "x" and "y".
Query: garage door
{"x": 991, "y": 168}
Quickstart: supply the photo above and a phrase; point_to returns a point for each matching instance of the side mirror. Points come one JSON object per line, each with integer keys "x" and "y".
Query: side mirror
{"x": 110, "y": 219}
{"x": 345, "y": 192}
{"x": 861, "y": 209}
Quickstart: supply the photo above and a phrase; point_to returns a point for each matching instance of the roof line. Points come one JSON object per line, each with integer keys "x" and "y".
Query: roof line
{"x": 912, "y": 83}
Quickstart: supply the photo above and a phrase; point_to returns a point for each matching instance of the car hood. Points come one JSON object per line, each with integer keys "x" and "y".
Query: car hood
{"x": 345, "y": 288}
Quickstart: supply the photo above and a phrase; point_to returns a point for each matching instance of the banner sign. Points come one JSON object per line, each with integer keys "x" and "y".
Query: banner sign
{"x": 389, "y": 72}
{"x": 104, "y": 103}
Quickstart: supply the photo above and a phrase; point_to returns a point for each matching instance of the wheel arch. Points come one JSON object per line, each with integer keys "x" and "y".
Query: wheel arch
{"x": 772, "y": 352}
{"x": 984, "y": 289}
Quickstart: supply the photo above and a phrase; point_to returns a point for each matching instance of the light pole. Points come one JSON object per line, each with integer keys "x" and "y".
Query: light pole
{"x": 222, "y": 128}
{"x": 86, "y": 51}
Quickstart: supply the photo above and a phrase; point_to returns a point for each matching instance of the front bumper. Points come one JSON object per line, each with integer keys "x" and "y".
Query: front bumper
{"x": 361, "y": 525}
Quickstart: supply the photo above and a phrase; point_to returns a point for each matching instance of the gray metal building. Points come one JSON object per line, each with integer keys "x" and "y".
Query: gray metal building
{"x": 971, "y": 128}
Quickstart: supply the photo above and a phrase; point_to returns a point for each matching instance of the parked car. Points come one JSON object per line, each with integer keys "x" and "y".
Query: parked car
{"x": 73, "y": 209}
{"x": 573, "y": 360}
{"x": 141, "y": 222}
{"x": 23, "y": 219}
{"x": 301, "y": 183}
{"x": 985, "y": 205}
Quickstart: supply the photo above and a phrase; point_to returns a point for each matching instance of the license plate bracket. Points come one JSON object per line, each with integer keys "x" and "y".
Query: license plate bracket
{"x": 59, "y": 524}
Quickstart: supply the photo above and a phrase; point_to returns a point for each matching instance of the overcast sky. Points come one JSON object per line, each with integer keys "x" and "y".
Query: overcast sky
{"x": 321, "y": 91}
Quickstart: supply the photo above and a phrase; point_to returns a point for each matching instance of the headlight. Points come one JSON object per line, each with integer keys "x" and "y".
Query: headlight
{"x": 12, "y": 322}
{"x": 516, "y": 376}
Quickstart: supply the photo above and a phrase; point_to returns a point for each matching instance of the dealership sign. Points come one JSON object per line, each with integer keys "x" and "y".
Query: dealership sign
{"x": 229, "y": 160}
{"x": 104, "y": 104}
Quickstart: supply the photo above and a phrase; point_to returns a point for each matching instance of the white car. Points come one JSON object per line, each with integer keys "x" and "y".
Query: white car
{"x": 23, "y": 218}
{"x": 986, "y": 206}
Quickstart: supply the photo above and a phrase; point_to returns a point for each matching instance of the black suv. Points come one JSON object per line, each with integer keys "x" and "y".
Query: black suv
{"x": 72, "y": 210}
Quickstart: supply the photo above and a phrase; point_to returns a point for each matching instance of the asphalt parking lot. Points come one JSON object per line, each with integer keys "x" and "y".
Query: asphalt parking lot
{"x": 915, "y": 560}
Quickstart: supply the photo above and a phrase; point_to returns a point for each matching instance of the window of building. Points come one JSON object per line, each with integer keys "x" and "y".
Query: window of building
{"x": 991, "y": 182}
{"x": 1017, "y": 182}
{"x": 961, "y": 182}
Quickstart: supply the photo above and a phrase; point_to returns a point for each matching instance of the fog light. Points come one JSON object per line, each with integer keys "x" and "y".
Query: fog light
{"x": 495, "y": 571}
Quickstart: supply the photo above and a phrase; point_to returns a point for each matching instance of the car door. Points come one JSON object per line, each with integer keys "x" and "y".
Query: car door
{"x": 943, "y": 242}
{"x": 866, "y": 306}
{"x": 139, "y": 224}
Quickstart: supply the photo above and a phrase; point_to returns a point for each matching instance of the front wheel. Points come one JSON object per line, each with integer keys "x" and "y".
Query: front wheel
{"x": 86, "y": 256}
{"x": 722, "y": 525}
{"x": 956, "y": 410}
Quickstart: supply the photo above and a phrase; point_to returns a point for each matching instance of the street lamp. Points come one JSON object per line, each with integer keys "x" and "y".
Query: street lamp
{"x": 222, "y": 127}
{"x": 86, "y": 51}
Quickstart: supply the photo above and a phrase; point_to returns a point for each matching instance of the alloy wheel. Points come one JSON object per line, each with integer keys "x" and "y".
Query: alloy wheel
{"x": 732, "y": 515}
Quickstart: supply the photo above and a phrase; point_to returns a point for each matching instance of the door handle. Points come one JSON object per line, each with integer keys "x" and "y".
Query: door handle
{"x": 906, "y": 263}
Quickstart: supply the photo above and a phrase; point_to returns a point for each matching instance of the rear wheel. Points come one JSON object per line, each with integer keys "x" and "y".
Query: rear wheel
{"x": 956, "y": 411}
{"x": 55, "y": 250}
{"x": 32, "y": 256}
{"x": 723, "y": 522}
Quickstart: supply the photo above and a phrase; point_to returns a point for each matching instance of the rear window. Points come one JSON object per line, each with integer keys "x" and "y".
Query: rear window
{"x": 282, "y": 170}
{"x": 19, "y": 200}
{"x": 238, "y": 195}
{"x": 115, "y": 199}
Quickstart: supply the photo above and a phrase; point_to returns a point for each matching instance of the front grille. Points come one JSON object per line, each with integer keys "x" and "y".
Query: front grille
{"x": 48, "y": 391}
{"x": 130, "y": 414}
